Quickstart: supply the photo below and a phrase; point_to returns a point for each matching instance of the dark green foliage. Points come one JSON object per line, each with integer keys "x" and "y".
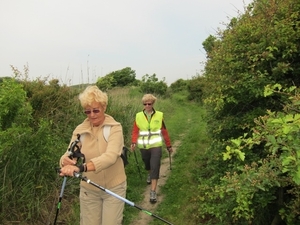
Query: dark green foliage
{"x": 36, "y": 126}
{"x": 105, "y": 83}
{"x": 209, "y": 44}
{"x": 4, "y": 78}
{"x": 195, "y": 88}
{"x": 119, "y": 78}
{"x": 54, "y": 103}
{"x": 12, "y": 103}
{"x": 150, "y": 84}
{"x": 258, "y": 48}
{"x": 179, "y": 85}
{"x": 124, "y": 77}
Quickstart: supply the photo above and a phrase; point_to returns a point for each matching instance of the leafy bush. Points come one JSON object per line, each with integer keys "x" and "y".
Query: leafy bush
{"x": 195, "y": 88}
{"x": 258, "y": 156}
{"x": 33, "y": 121}
{"x": 150, "y": 84}
{"x": 179, "y": 85}
{"x": 119, "y": 78}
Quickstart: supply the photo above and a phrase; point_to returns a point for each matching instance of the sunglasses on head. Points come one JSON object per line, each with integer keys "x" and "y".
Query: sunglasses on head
{"x": 147, "y": 103}
{"x": 90, "y": 111}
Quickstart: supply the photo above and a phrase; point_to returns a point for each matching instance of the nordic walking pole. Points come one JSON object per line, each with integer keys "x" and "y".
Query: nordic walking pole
{"x": 73, "y": 151}
{"x": 78, "y": 175}
{"x": 170, "y": 160}
{"x": 138, "y": 166}
{"x": 60, "y": 198}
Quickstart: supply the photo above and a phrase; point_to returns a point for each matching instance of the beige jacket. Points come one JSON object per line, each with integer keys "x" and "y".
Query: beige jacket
{"x": 109, "y": 166}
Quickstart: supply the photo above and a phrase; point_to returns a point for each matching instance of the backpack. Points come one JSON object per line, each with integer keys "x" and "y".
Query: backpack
{"x": 106, "y": 132}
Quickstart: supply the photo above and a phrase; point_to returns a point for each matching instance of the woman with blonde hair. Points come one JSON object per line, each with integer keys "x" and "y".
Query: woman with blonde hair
{"x": 104, "y": 165}
{"x": 148, "y": 133}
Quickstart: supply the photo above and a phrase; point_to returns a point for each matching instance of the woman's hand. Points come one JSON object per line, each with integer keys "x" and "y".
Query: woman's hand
{"x": 170, "y": 149}
{"x": 68, "y": 170}
{"x": 67, "y": 161}
{"x": 132, "y": 147}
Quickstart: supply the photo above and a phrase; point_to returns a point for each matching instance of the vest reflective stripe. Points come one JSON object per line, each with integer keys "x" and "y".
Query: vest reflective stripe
{"x": 150, "y": 141}
{"x": 146, "y": 133}
{"x": 150, "y": 133}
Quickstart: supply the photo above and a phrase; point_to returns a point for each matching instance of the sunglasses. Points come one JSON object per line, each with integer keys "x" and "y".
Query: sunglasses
{"x": 147, "y": 104}
{"x": 90, "y": 111}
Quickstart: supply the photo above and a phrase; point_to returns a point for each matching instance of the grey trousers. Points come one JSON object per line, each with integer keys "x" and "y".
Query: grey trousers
{"x": 152, "y": 160}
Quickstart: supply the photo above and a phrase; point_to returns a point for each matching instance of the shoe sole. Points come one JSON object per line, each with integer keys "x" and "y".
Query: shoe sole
{"x": 153, "y": 201}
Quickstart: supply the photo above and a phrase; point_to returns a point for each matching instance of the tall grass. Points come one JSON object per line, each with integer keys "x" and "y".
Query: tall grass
{"x": 123, "y": 104}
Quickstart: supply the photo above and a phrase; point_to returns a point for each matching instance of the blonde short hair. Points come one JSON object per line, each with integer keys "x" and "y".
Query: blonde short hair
{"x": 92, "y": 94}
{"x": 149, "y": 98}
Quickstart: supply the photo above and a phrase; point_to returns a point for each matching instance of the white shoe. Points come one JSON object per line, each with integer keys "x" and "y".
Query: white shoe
{"x": 153, "y": 197}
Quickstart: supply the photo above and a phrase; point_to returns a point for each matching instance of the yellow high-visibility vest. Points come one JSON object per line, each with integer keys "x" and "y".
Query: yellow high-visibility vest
{"x": 149, "y": 131}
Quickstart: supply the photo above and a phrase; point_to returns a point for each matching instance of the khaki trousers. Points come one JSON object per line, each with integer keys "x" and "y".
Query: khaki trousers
{"x": 101, "y": 208}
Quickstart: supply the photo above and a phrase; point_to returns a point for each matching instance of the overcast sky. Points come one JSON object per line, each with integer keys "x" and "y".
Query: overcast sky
{"x": 77, "y": 41}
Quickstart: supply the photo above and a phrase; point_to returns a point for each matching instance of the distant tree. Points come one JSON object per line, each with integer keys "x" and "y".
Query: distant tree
{"x": 150, "y": 84}
{"x": 195, "y": 88}
{"x": 119, "y": 78}
{"x": 105, "y": 83}
{"x": 123, "y": 77}
{"x": 2, "y": 78}
{"x": 179, "y": 85}
{"x": 209, "y": 44}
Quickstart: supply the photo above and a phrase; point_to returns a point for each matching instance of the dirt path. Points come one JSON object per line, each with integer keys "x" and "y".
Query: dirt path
{"x": 143, "y": 218}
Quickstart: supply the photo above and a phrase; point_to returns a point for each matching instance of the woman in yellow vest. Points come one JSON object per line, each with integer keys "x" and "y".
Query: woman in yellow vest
{"x": 148, "y": 133}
